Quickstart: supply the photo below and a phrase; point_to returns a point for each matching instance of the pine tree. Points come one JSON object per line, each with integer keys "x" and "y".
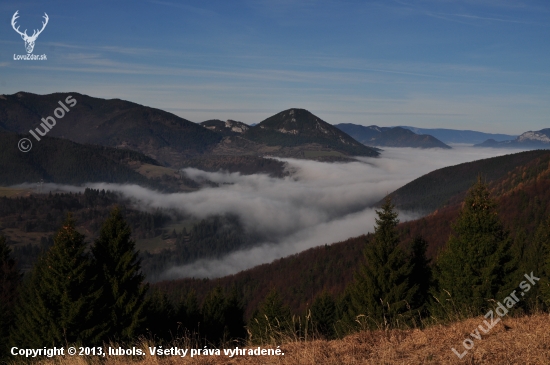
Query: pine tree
{"x": 9, "y": 284}
{"x": 118, "y": 266}
{"x": 222, "y": 317}
{"x": 538, "y": 262}
{"x": 160, "y": 320}
{"x": 382, "y": 293}
{"x": 234, "y": 317}
{"x": 271, "y": 321}
{"x": 472, "y": 269}
{"x": 58, "y": 303}
{"x": 324, "y": 315}
{"x": 188, "y": 313}
{"x": 213, "y": 314}
{"x": 421, "y": 274}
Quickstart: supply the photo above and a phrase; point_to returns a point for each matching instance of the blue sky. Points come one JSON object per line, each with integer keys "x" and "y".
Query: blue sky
{"x": 479, "y": 64}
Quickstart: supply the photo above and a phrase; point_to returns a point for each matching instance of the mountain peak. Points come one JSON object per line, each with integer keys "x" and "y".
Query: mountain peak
{"x": 297, "y": 126}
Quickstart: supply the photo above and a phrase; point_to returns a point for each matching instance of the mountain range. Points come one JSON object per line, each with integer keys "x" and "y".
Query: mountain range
{"x": 460, "y": 136}
{"x": 170, "y": 139}
{"x": 390, "y": 136}
{"x": 530, "y": 139}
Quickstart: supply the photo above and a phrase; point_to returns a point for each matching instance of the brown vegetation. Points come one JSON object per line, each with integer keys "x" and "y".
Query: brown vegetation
{"x": 524, "y": 340}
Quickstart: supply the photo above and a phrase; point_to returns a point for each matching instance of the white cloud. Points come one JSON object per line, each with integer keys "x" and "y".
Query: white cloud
{"x": 319, "y": 203}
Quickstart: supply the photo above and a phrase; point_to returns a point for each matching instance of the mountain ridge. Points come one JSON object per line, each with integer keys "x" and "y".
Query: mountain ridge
{"x": 390, "y": 136}
{"x": 460, "y": 136}
{"x": 295, "y": 126}
{"x": 529, "y": 139}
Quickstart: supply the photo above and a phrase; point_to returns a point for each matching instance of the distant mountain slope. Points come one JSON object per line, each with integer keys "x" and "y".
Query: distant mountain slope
{"x": 227, "y": 128}
{"x": 459, "y": 136}
{"x": 114, "y": 123}
{"x": 65, "y": 162}
{"x": 390, "y": 137}
{"x": 246, "y": 165}
{"x": 520, "y": 194}
{"x": 536, "y": 139}
{"x": 296, "y": 127}
{"x": 433, "y": 190}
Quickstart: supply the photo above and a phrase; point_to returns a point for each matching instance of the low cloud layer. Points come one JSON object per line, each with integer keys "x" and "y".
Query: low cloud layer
{"x": 319, "y": 203}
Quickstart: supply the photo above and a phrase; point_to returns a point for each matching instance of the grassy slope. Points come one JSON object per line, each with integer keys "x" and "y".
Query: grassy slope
{"x": 523, "y": 340}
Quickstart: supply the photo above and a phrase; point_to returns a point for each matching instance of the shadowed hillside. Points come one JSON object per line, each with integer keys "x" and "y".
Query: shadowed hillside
{"x": 114, "y": 123}
{"x": 521, "y": 195}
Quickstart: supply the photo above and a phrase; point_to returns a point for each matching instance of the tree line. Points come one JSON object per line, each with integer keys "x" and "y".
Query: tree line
{"x": 397, "y": 286}
{"x": 75, "y": 295}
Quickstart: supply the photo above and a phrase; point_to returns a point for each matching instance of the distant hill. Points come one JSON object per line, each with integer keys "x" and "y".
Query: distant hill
{"x": 113, "y": 123}
{"x": 172, "y": 140}
{"x": 390, "y": 137}
{"x": 434, "y": 190}
{"x": 460, "y": 136}
{"x": 536, "y": 139}
{"x": 298, "y": 127}
{"x": 227, "y": 128}
{"x": 56, "y": 160}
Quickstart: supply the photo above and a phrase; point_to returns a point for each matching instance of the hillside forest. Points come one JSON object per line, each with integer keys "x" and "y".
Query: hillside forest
{"x": 458, "y": 262}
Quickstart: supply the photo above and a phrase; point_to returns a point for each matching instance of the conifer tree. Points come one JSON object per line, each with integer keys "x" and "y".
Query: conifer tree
{"x": 234, "y": 316}
{"x": 382, "y": 293}
{"x": 472, "y": 269}
{"x": 213, "y": 314}
{"x": 538, "y": 262}
{"x": 160, "y": 319}
{"x": 118, "y": 266}
{"x": 222, "y": 317}
{"x": 58, "y": 303}
{"x": 421, "y": 274}
{"x": 188, "y": 313}
{"x": 271, "y": 321}
{"x": 324, "y": 315}
{"x": 9, "y": 283}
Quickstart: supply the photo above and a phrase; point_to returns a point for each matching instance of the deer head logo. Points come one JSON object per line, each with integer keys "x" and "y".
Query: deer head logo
{"x": 29, "y": 41}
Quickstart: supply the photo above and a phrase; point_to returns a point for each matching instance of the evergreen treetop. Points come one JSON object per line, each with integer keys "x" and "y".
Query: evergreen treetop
{"x": 383, "y": 293}
{"x": 59, "y": 302}
{"x": 118, "y": 266}
{"x": 473, "y": 267}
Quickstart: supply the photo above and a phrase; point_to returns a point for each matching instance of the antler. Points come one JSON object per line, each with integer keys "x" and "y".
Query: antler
{"x": 13, "y": 19}
{"x": 35, "y": 34}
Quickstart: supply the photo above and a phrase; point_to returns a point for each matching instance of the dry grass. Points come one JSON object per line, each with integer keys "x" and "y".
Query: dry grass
{"x": 524, "y": 340}
{"x": 12, "y": 192}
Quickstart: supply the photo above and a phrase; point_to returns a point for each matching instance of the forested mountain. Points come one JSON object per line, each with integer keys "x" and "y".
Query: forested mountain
{"x": 56, "y": 160}
{"x": 520, "y": 193}
{"x": 390, "y": 136}
{"x": 227, "y": 128}
{"x": 460, "y": 136}
{"x": 114, "y": 123}
{"x": 244, "y": 164}
{"x": 434, "y": 190}
{"x": 174, "y": 141}
{"x": 536, "y": 139}
{"x": 295, "y": 127}
{"x": 29, "y": 222}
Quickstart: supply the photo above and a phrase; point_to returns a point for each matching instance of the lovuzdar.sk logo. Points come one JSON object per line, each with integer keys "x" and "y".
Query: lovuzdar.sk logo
{"x": 29, "y": 40}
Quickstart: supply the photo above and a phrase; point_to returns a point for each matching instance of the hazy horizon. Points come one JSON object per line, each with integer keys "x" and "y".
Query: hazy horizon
{"x": 447, "y": 64}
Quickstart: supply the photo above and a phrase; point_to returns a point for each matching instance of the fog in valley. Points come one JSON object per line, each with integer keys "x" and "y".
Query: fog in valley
{"x": 318, "y": 203}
